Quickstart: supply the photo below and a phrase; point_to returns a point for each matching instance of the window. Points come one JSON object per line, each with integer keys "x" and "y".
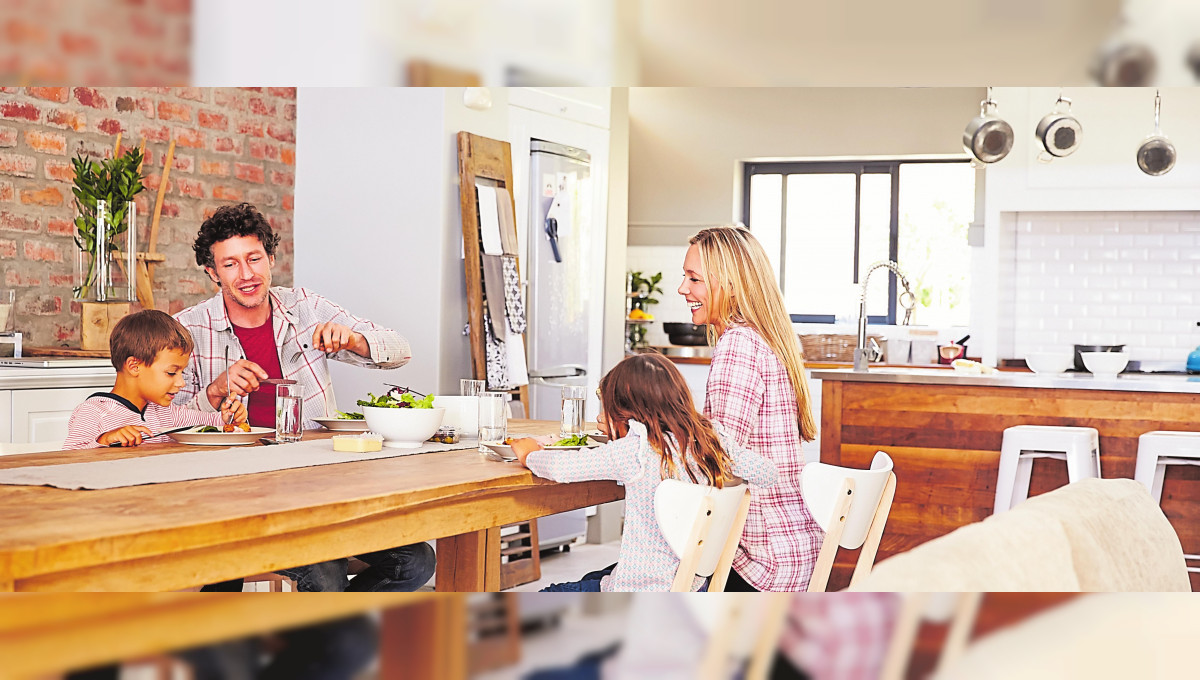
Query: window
{"x": 824, "y": 223}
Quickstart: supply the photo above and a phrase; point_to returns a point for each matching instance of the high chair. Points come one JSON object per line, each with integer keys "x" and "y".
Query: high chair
{"x": 852, "y": 507}
{"x": 703, "y": 526}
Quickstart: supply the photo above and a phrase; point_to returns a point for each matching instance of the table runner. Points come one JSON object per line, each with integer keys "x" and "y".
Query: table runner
{"x": 206, "y": 463}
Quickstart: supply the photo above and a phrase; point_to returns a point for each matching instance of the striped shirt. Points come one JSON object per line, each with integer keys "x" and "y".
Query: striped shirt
{"x": 646, "y": 562}
{"x": 104, "y": 412}
{"x": 295, "y": 314}
{"x": 750, "y": 395}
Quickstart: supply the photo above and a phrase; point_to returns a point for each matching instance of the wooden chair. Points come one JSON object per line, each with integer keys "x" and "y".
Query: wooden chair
{"x": 852, "y": 507}
{"x": 743, "y": 631}
{"x": 960, "y": 609}
{"x": 703, "y": 525}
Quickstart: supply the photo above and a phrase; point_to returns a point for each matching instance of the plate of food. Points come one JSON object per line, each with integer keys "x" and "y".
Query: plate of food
{"x": 209, "y": 435}
{"x": 502, "y": 452}
{"x": 344, "y": 422}
{"x": 583, "y": 441}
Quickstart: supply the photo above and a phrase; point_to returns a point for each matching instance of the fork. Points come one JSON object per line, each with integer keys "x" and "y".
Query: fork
{"x": 228, "y": 384}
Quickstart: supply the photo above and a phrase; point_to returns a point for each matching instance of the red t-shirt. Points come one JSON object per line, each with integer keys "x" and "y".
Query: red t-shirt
{"x": 259, "y": 346}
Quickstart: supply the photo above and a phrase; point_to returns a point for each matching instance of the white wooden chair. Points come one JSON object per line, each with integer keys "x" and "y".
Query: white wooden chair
{"x": 703, "y": 525}
{"x": 852, "y": 507}
{"x": 743, "y": 630}
{"x": 960, "y": 609}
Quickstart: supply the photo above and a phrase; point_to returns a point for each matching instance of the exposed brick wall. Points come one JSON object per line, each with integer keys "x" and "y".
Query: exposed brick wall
{"x": 99, "y": 42}
{"x": 231, "y": 144}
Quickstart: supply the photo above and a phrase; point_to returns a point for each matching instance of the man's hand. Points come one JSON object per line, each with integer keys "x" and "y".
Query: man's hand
{"x": 521, "y": 448}
{"x": 235, "y": 408}
{"x": 130, "y": 435}
{"x": 244, "y": 377}
{"x": 333, "y": 337}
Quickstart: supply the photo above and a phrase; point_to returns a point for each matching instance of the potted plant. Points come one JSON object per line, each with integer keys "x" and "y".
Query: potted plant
{"x": 105, "y": 229}
{"x": 641, "y": 292}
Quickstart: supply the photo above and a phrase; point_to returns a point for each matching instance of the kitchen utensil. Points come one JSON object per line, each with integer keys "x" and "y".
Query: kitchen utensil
{"x": 1105, "y": 364}
{"x": 948, "y": 353}
{"x": 157, "y": 434}
{"x": 1156, "y": 155}
{"x": 988, "y": 138}
{"x": 228, "y": 384}
{"x": 1058, "y": 131}
{"x": 1079, "y": 349}
{"x": 276, "y": 381}
{"x": 963, "y": 340}
{"x": 1047, "y": 363}
{"x": 686, "y": 333}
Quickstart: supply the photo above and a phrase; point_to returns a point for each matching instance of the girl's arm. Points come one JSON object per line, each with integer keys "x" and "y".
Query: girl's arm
{"x": 615, "y": 460}
{"x": 747, "y": 464}
{"x": 735, "y": 390}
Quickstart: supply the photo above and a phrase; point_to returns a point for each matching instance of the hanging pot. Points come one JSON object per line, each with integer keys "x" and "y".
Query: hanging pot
{"x": 988, "y": 138}
{"x": 1156, "y": 155}
{"x": 1058, "y": 132}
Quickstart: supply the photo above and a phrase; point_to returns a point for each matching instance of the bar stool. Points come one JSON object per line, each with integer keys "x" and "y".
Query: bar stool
{"x": 1079, "y": 446}
{"x": 1157, "y": 450}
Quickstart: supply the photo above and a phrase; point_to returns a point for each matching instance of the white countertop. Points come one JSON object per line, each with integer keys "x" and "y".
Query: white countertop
{"x": 1128, "y": 382}
{"x": 50, "y": 378}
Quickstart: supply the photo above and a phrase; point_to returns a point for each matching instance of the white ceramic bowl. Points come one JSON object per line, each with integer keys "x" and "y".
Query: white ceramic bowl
{"x": 1105, "y": 364}
{"x": 1048, "y": 363}
{"x": 404, "y": 428}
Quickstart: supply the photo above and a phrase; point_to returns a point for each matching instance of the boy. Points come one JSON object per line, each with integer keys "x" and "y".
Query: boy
{"x": 149, "y": 349}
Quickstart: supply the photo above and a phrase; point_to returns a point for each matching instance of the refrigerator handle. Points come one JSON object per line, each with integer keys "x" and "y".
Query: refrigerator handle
{"x": 552, "y": 233}
{"x": 564, "y": 371}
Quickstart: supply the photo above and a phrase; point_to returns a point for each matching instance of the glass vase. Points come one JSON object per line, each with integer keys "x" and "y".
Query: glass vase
{"x": 106, "y": 271}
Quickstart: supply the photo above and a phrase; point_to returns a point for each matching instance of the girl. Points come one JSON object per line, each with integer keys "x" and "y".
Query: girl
{"x": 757, "y": 392}
{"x": 647, "y": 411}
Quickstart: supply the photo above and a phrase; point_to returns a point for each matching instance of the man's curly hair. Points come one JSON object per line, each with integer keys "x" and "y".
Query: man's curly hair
{"x": 230, "y": 221}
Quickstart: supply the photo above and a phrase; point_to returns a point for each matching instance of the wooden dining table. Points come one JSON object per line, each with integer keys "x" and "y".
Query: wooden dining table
{"x": 180, "y": 535}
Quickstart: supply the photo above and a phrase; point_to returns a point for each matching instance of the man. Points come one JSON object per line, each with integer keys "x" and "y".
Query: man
{"x": 284, "y": 333}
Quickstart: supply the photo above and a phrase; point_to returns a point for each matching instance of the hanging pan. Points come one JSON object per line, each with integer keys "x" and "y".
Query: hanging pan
{"x": 1156, "y": 155}
{"x": 988, "y": 138}
{"x": 1058, "y": 131}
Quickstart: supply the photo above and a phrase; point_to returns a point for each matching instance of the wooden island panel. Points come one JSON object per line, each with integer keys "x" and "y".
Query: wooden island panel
{"x": 945, "y": 444}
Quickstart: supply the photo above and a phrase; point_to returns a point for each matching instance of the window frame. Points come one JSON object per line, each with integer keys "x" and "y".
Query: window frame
{"x": 858, "y": 168}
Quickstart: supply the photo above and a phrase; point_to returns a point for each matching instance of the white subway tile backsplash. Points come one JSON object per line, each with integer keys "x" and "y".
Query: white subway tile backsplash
{"x": 1119, "y": 277}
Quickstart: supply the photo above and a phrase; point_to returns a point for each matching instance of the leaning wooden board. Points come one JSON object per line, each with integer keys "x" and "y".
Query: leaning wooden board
{"x": 71, "y": 352}
{"x": 945, "y": 443}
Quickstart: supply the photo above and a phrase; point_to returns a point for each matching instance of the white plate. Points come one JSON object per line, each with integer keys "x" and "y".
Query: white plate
{"x": 504, "y": 451}
{"x": 236, "y": 438}
{"x": 342, "y": 424}
{"x": 592, "y": 445}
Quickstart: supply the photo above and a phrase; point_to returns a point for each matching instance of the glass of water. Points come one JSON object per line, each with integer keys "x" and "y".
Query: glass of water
{"x": 493, "y": 418}
{"x": 573, "y": 399}
{"x": 289, "y": 413}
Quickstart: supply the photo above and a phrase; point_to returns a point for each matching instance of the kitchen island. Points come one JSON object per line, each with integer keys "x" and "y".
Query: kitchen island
{"x": 943, "y": 430}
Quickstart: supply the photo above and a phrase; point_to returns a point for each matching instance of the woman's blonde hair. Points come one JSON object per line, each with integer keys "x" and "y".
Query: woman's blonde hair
{"x": 742, "y": 289}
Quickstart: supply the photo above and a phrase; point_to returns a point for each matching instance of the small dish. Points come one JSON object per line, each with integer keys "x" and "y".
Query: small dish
{"x": 502, "y": 451}
{"x": 236, "y": 438}
{"x": 342, "y": 424}
{"x": 598, "y": 437}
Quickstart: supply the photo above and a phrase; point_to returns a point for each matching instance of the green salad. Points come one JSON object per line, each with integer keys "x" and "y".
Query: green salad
{"x": 206, "y": 429}
{"x": 406, "y": 400}
{"x": 342, "y": 415}
{"x": 578, "y": 440}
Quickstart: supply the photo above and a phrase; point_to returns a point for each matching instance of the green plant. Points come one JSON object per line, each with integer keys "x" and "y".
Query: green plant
{"x": 641, "y": 286}
{"x": 116, "y": 181}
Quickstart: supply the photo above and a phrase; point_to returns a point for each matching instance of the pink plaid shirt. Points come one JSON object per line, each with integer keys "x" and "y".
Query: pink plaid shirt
{"x": 840, "y": 636}
{"x": 295, "y": 314}
{"x": 750, "y": 395}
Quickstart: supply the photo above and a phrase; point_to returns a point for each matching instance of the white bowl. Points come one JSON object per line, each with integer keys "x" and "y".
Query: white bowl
{"x": 404, "y": 428}
{"x": 1105, "y": 364}
{"x": 1048, "y": 363}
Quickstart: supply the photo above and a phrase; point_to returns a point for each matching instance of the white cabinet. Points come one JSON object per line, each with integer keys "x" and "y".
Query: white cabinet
{"x": 5, "y": 411}
{"x": 42, "y": 415}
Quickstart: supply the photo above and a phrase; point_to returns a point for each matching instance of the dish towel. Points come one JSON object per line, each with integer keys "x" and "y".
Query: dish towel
{"x": 493, "y": 291}
{"x": 513, "y": 305}
{"x": 508, "y": 223}
{"x": 497, "y": 356}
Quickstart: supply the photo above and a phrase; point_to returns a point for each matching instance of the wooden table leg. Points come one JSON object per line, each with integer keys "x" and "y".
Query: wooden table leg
{"x": 469, "y": 563}
{"x": 425, "y": 640}
{"x": 8, "y": 586}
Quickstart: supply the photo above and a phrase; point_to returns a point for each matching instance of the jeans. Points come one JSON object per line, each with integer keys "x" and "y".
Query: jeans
{"x": 397, "y": 570}
{"x": 590, "y": 583}
{"x": 737, "y": 584}
{"x": 587, "y": 668}
{"x": 334, "y": 650}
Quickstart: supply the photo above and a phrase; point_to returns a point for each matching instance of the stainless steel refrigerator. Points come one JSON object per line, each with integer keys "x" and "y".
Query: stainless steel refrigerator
{"x": 561, "y": 281}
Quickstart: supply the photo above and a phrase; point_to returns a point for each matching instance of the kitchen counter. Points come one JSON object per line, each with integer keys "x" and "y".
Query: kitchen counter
{"x": 1128, "y": 382}
{"x": 943, "y": 431}
{"x": 54, "y": 378}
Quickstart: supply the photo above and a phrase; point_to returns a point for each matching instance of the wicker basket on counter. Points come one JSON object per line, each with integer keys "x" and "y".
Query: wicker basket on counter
{"x": 833, "y": 348}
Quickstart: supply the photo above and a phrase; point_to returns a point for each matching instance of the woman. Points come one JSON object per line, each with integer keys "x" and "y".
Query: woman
{"x": 758, "y": 392}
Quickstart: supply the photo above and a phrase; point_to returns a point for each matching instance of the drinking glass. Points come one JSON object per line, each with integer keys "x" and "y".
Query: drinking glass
{"x": 7, "y": 297}
{"x": 471, "y": 388}
{"x": 493, "y": 418}
{"x": 573, "y": 399}
{"x": 289, "y": 413}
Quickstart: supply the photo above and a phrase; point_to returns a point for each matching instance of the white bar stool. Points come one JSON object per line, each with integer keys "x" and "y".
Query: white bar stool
{"x": 1079, "y": 446}
{"x": 1157, "y": 450}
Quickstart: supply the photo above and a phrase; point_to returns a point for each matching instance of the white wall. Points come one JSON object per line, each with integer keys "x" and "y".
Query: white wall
{"x": 369, "y": 214}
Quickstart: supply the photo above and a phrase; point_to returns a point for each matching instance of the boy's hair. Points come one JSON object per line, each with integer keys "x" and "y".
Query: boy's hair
{"x": 144, "y": 334}
{"x": 228, "y": 222}
{"x": 649, "y": 389}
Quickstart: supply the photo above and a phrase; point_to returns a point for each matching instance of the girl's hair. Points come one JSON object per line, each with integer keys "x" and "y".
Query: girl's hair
{"x": 649, "y": 389}
{"x": 742, "y": 289}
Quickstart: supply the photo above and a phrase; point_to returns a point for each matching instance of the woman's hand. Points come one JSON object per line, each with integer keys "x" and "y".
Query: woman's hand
{"x": 130, "y": 435}
{"x": 523, "y": 447}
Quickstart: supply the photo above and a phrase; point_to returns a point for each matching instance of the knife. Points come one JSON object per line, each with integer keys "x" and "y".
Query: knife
{"x": 157, "y": 434}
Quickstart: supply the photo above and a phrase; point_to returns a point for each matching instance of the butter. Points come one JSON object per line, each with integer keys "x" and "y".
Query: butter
{"x": 364, "y": 443}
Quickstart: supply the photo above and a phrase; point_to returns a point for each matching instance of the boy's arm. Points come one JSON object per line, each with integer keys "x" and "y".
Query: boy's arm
{"x": 89, "y": 428}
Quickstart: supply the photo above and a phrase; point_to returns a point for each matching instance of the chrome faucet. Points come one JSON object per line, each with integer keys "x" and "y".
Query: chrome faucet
{"x": 864, "y": 355}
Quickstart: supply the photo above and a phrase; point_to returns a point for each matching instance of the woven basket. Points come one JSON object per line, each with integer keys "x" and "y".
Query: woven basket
{"x": 832, "y": 348}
